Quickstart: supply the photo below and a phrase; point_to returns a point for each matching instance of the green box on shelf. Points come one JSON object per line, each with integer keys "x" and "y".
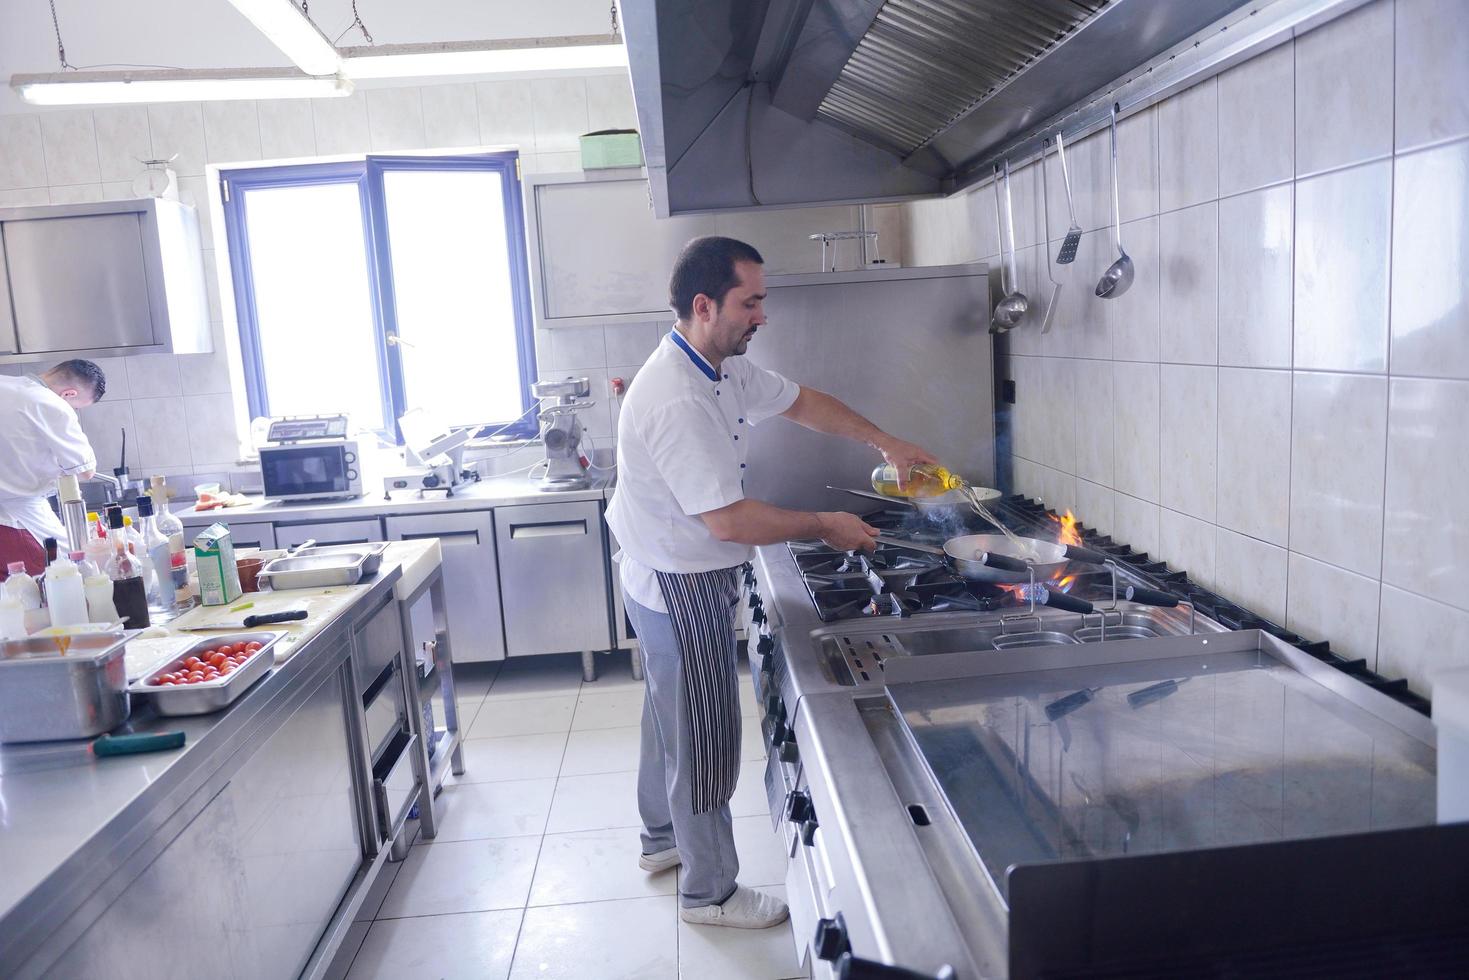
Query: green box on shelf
{"x": 611, "y": 148}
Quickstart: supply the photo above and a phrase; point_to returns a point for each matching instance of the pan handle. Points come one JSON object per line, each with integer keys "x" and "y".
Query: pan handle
{"x": 910, "y": 545}
{"x": 1078, "y": 553}
{"x": 1004, "y": 562}
{"x": 1149, "y": 597}
{"x": 1060, "y": 600}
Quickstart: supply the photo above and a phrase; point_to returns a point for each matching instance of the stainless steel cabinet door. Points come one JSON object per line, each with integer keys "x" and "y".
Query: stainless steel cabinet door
{"x": 259, "y": 870}
{"x": 245, "y": 534}
{"x": 553, "y": 573}
{"x": 7, "y": 322}
{"x": 79, "y": 283}
{"x": 330, "y": 532}
{"x": 471, "y": 578}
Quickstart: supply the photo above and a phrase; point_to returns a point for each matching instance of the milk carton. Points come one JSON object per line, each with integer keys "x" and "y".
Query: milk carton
{"x": 214, "y": 554}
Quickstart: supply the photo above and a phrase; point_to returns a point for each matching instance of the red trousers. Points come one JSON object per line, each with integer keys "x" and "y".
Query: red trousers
{"x": 17, "y": 544}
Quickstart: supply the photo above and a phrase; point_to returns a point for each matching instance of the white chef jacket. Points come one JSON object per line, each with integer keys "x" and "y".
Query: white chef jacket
{"x": 682, "y": 442}
{"x": 40, "y": 440}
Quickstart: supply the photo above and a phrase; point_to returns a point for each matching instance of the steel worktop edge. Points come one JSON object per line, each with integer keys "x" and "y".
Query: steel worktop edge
{"x": 75, "y": 837}
{"x": 486, "y": 494}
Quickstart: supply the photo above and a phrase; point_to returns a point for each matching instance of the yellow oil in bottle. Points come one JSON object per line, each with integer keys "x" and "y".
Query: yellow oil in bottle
{"x": 924, "y": 480}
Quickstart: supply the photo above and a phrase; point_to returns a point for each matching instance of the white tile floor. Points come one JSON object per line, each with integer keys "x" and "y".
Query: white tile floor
{"x": 534, "y": 872}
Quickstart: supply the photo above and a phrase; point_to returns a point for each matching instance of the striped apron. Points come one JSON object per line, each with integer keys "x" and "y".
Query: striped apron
{"x": 701, "y": 606}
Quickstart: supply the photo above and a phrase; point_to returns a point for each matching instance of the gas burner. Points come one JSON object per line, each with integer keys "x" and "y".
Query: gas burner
{"x": 890, "y": 559}
{"x": 892, "y": 604}
{"x": 820, "y": 581}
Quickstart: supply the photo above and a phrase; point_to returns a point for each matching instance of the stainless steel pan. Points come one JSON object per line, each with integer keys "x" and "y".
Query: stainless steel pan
{"x": 943, "y": 503}
{"x": 993, "y": 557}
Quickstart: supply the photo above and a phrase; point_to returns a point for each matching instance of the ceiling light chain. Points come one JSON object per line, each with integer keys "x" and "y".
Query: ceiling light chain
{"x": 60, "y": 48}
{"x": 614, "y": 17}
{"x": 357, "y": 23}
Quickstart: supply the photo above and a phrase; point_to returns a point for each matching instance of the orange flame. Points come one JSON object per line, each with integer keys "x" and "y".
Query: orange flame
{"x": 1069, "y": 534}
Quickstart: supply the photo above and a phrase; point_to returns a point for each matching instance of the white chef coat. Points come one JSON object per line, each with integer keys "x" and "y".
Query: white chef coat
{"x": 40, "y": 440}
{"x": 682, "y": 442}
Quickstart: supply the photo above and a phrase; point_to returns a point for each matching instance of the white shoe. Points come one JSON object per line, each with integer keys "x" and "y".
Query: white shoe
{"x": 660, "y": 860}
{"x": 745, "y": 909}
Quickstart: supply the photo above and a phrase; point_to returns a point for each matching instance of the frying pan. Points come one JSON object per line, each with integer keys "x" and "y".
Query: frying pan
{"x": 944, "y": 502}
{"x": 992, "y": 557}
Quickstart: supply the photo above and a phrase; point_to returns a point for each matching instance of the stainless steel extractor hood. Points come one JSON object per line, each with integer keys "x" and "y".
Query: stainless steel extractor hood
{"x": 750, "y": 103}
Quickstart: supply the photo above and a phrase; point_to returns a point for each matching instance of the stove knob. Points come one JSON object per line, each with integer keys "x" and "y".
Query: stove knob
{"x": 830, "y": 941}
{"x": 808, "y": 832}
{"x": 755, "y": 600}
{"x": 788, "y": 752}
{"x": 798, "y": 806}
{"x": 765, "y": 645}
{"x": 780, "y": 732}
{"x": 758, "y": 616}
{"x": 775, "y": 708}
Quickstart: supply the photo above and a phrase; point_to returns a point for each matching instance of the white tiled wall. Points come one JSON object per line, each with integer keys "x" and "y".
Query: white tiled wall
{"x": 1279, "y": 403}
{"x": 184, "y": 414}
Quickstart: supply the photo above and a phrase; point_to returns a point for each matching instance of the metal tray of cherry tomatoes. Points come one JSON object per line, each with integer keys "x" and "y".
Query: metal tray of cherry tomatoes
{"x": 210, "y": 674}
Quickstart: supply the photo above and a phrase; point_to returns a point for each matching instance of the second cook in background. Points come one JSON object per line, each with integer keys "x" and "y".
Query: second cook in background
{"x": 685, "y": 526}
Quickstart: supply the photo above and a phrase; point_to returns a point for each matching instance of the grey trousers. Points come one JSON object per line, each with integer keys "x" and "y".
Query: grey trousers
{"x": 705, "y": 841}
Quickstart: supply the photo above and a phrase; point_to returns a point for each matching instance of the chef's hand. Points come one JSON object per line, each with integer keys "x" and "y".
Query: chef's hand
{"x": 846, "y": 532}
{"x": 904, "y": 456}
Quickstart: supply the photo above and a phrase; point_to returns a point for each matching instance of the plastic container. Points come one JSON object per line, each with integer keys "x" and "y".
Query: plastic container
{"x": 22, "y": 586}
{"x": 65, "y": 593}
{"x": 98, "y": 591}
{"x": 12, "y": 618}
{"x": 610, "y": 148}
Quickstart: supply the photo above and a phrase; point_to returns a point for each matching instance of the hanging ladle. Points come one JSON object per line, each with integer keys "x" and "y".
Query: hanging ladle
{"x": 1118, "y": 277}
{"x": 1011, "y": 309}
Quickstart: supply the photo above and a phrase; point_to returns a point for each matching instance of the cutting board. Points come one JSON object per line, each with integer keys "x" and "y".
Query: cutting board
{"x": 321, "y": 605}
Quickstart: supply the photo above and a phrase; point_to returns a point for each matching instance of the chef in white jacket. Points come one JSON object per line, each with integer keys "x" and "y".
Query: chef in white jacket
{"x": 41, "y": 441}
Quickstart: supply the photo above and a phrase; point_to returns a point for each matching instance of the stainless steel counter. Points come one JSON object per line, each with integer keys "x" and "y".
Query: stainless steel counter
{"x": 74, "y": 838}
{"x": 500, "y": 491}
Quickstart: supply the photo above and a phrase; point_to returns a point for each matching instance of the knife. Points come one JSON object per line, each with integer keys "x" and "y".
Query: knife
{"x": 249, "y": 622}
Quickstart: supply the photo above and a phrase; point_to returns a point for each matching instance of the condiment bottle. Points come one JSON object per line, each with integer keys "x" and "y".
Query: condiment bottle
{"x": 98, "y": 589}
{"x": 160, "y": 587}
{"x": 22, "y": 586}
{"x": 65, "y": 594}
{"x": 129, "y": 594}
{"x": 173, "y": 529}
{"x": 924, "y": 480}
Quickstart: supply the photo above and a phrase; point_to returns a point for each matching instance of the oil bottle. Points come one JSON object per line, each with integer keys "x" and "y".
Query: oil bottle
{"x": 924, "y": 480}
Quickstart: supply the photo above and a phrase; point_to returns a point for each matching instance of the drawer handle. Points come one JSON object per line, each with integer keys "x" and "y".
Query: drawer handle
{"x": 552, "y": 529}
{"x": 444, "y": 535}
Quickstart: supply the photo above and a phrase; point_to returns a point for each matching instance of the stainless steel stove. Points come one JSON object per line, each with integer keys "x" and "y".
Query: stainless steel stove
{"x": 829, "y": 630}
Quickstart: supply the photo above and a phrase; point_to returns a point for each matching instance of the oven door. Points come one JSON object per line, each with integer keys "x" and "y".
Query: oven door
{"x": 320, "y": 471}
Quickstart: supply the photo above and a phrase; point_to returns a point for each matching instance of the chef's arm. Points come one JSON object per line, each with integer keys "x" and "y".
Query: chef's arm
{"x": 824, "y": 413}
{"x": 754, "y": 522}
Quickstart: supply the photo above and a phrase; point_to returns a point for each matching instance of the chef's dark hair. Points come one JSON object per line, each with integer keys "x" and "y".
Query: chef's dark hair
{"x": 83, "y": 374}
{"x": 706, "y": 265}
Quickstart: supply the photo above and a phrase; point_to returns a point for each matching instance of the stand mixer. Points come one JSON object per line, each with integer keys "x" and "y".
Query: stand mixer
{"x": 561, "y": 431}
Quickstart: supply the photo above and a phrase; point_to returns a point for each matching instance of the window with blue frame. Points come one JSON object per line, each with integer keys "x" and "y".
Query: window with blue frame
{"x": 378, "y": 286}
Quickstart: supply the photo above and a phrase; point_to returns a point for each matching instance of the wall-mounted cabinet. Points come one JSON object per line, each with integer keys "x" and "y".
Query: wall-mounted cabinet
{"x": 599, "y": 255}
{"x": 102, "y": 279}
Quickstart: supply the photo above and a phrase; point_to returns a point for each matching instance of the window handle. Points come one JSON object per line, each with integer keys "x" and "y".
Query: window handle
{"x": 395, "y": 341}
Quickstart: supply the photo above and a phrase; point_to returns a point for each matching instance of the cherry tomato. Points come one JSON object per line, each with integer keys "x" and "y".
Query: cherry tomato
{"x": 252, "y": 646}
{"x": 237, "y": 648}
{"x": 192, "y": 661}
{"x": 215, "y": 659}
{"x": 226, "y": 669}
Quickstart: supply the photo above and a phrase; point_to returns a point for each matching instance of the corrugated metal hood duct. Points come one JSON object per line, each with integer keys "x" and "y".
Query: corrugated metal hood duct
{"x": 750, "y": 103}
{"x": 925, "y": 63}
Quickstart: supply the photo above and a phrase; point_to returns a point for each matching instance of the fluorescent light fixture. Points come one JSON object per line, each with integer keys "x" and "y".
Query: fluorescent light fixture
{"x": 288, "y": 29}
{"x": 524, "y": 55}
{"x": 175, "y": 85}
